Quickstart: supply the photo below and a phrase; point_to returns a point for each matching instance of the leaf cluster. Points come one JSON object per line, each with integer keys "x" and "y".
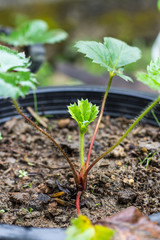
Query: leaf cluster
{"x": 82, "y": 229}
{"x": 15, "y": 78}
{"x": 152, "y": 77}
{"x": 113, "y": 54}
{"x": 33, "y": 32}
{"x": 84, "y": 113}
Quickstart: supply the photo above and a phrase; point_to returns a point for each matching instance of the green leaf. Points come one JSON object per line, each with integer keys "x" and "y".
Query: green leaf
{"x": 84, "y": 113}
{"x": 33, "y": 32}
{"x": 82, "y": 229}
{"x": 95, "y": 51}
{"x": 15, "y": 84}
{"x": 152, "y": 78}
{"x": 12, "y": 60}
{"x": 126, "y": 78}
{"x": 113, "y": 54}
{"x": 1, "y": 136}
{"x": 120, "y": 53}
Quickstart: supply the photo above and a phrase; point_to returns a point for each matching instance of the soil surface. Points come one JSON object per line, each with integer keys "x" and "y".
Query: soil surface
{"x": 32, "y": 197}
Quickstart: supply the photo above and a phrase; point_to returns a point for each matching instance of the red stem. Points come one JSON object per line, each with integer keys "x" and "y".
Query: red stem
{"x": 99, "y": 120}
{"x": 78, "y": 202}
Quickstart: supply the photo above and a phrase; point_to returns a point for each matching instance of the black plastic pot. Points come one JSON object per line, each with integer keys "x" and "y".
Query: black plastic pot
{"x": 36, "y": 52}
{"x": 53, "y": 101}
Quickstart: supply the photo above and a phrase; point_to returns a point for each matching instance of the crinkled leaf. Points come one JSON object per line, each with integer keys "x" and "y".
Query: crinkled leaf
{"x": 84, "y": 113}
{"x": 112, "y": 55}
{"x": 33, "y": 32}
{"x": 152, "y": 78}
{"x": 12, "y": 60}
{"x": 15, "y": 84}
{"x": 82, "y": 229}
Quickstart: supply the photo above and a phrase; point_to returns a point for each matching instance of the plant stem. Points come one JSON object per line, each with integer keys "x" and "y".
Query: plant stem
{"x": 78, "y": 202}
{"x": 49, "y": 136}
{"x": 152, "y": 105}
{"x": 111, "y": 75}
{"x": 82, "y": 148}
{"x": 35, "y": 102}
{"x": 155, "y": 117}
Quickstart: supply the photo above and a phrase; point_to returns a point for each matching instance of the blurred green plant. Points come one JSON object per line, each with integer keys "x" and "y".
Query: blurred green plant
{"x": 33, "y": 32}
{"x": 44, "y": 74}
{"x": 22, "y": 174}
{"x": 82, "y": 229}
{"x": 1, "y": 136}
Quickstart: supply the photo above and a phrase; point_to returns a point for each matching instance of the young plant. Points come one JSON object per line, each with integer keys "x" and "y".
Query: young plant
{"x": 147, "y": 159}
{"x": 152, "y": 79}
{"x": 22, "y": 174}
{"x": 15, "y": 81}
{"x": 113, "y": 55}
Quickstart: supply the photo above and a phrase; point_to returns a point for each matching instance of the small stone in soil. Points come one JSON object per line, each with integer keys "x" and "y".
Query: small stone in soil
{"x": 127, "y": 196}
{"x": 62, "y": 219}
{"x": 51, "y": 183}
{"x": 3, "y": 165}
{"x": 43, "y": 198}
{"x": 33, "y": 215}
{"x": 118, "y": 152}
{"x": 18, "y": 197}
{"x": 150, "y": 146}
{"x": 63, "y": 123}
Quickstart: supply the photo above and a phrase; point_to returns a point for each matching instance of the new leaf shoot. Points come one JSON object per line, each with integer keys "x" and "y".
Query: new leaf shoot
{"x": 84, "y": 113}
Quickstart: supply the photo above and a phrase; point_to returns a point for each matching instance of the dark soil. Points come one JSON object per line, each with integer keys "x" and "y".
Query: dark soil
{"x": 116, "y": 182}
